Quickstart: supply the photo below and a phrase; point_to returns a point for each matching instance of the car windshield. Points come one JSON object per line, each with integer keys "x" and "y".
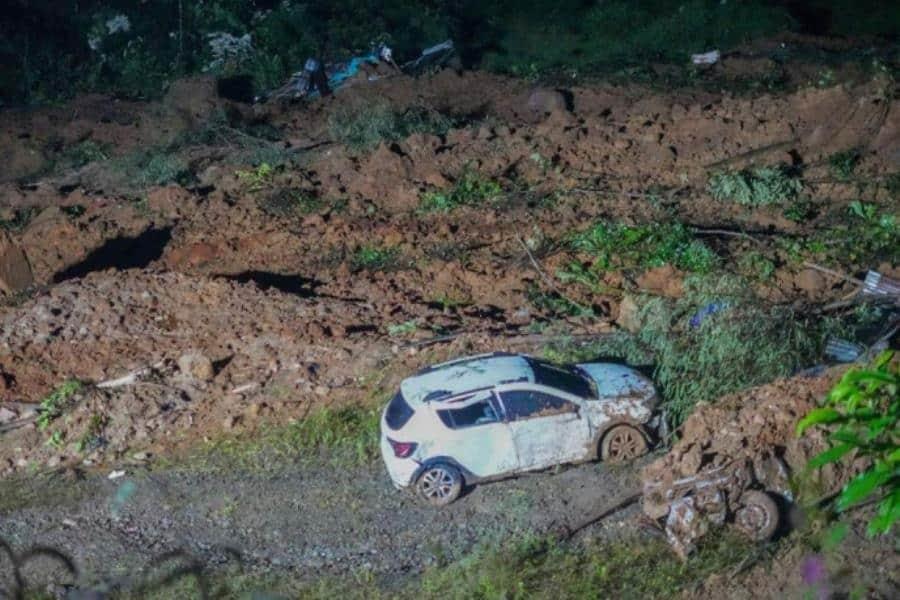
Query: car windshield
{"x": 561, "y": 378}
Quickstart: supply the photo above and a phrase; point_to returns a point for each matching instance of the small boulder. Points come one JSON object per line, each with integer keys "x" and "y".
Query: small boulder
{"x": 546, "y": 101}
{"x": 196, "y": 366}
{"x": 15, "y": 272}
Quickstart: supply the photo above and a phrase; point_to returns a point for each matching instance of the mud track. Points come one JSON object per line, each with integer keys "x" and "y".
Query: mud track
{"x": 302, "y": 520}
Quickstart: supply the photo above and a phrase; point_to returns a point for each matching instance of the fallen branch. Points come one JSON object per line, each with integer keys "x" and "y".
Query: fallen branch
{"x": 827, "y": 271}
{"x": 129, "y": 379}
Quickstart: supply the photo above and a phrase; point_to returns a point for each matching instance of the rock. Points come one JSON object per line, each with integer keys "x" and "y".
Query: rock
{"x": 627, "y": 318}
{"x": 665, "y": 280}
{"x": 7, "y": 416}
{"x": 15, "y": 272}
{"x": 547, "y": 101}
{"x": 196, "y": 366}
{"x": 810, "y": 281}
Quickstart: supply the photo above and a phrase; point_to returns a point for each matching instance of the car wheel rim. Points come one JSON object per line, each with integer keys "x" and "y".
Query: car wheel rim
{"x": 752, "y": 519}
{"x": 437, "y": 484}
{"x": 623, "y": 445}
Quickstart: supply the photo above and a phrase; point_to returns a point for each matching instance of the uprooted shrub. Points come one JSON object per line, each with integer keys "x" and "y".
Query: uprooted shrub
{"x": 363, "y": 125}
{"x": 714, "y": 340}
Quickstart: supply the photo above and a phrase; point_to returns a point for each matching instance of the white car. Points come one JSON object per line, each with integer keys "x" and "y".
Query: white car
{"x": 493, "y": 415}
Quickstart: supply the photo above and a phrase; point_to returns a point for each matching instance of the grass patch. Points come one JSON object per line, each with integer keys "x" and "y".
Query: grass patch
{"x": 375, "y": 258}
{"x": 763, "y": 186}
{"x": 615, "y": 246}
{"x": 362, "y": 126}
{"x": 532, "y": 567}
{"x": 471, "y": 189}
{"x": 345, "y": 436}
{"x": 254, "y": 180}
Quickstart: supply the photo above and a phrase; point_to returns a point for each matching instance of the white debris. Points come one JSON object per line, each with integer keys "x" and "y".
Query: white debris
{"x": 116, "y": 475}
{"x": 706, "y": 58}
{"x": 117, "y": 24}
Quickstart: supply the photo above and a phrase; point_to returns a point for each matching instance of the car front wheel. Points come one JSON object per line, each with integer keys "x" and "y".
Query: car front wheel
{"x": 622, "y": 443}
{"x": 440, "y": 484}
{"x": 757, "y": 515}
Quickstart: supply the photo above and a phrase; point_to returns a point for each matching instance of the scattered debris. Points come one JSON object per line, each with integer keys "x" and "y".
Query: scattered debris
{"x": 115, "y": 475}
{"x": 432, "y": 57}
{"x": 877, "y": 284}
{"x": 706, "y": 58}
{"x": 842, "y": 350}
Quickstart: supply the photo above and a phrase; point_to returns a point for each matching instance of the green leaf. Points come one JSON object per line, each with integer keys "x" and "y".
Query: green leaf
{"x": 829, "y": 456}
{"x": 835, "y": 535}
{"x": 860, "y": 487}
{"x": 818, "y": 416}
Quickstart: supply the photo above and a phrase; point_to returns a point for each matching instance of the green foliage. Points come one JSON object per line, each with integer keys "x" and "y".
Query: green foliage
{"x": 754, "y": 265}
{"x": 345, "y": 436}
{"x": 576, "y": 37}
{"x": 19, "y": 220}
{"x": 287, "y": 202}
{"x": 256, "y": 179}
{"x": 52, "y": 406}
{"x": 92, "y": 434}
{"x": 763, "y": 186}
{"x": 82, "y": 154}
{"x": 363, "y": 125}
{"x": 615, "y": 246}
{"x": 842, "y": 164}
{"x": 714, "y": 340}
{"x": 862, "y": 413}
{"x": 375, "y": 258}
{"x": 402, "y": 329}
{"x": 471, "y": 189}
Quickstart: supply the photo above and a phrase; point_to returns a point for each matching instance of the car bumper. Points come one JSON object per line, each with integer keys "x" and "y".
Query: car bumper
{"x": 402, "y": 471}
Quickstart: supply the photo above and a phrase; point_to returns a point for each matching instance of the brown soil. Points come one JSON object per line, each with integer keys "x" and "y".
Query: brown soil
{"x": 133, "y": 277}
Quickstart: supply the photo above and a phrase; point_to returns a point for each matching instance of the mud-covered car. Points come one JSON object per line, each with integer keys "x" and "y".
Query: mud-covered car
{"x": 489, "y": 416}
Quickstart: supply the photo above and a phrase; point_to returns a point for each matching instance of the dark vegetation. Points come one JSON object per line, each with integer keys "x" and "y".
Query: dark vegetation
{"x": 50, "y": 49}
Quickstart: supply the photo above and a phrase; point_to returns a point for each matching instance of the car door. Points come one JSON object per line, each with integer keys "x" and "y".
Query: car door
{"x": 476, "y": 436}
{"x": 546, "y": 428}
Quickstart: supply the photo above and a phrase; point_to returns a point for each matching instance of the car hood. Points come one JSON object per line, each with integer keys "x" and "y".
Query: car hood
{"x": 617, "y": 381}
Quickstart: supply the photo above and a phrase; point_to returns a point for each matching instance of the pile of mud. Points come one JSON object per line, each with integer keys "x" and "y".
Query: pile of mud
{"x": 755, "y": 425}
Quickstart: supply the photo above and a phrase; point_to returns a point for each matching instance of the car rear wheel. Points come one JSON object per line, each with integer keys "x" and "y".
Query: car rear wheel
{"x": 622, "y": 443}
{"x": 757, "y": 515}
{"x": 440, "y": 484}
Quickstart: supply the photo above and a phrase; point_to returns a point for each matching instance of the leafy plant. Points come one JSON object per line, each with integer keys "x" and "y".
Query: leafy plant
{"x": 763, "y": 186}
{"x": 471, "y": 189}
{"x": 256, "y": 179}
{"x": 842, "y": 164}
{"x": 56, "y": 439}
{"x": 863, "y": 414}
{"x": 374, "y": 258}
{"x": 615, "y": 246}
{"x": 52, "y": 405}
{"x": 401, "y": 329}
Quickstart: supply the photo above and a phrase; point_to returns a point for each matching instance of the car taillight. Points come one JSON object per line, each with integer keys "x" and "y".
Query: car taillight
{"x": 402, "y": 449}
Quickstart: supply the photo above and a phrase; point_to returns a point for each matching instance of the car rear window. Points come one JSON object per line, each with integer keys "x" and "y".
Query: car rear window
{"x": 560, "y": 378}
{"x": 398, "y": 412}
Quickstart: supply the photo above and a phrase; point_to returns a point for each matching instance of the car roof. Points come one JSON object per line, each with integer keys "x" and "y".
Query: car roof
{"x": 464, "y": 375}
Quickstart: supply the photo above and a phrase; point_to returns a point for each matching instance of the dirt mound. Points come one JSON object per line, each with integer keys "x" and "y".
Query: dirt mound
{"x": 757, "y": 428}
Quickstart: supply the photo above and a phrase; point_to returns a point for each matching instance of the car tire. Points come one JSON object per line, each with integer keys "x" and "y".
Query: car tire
{"x": 622, "y": 443}
{"x": 439, "y": 484}
{"x": 756, "y": 515}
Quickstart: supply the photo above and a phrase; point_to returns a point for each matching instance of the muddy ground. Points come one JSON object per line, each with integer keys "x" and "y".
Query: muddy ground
{"x": 243, "y": 299}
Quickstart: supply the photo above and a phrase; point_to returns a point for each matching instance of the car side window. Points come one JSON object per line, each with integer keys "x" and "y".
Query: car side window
{"x": 479, "y": 413}
{"x": 530, "y": 404}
